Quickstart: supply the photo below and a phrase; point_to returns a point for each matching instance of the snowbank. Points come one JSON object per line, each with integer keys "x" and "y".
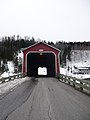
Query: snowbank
{"x": 5, "y": 87}
{"x": 10, "y": 66}
{"x": 10, "y": 71}
{"x": 5, "y": 74}
{"x": 63, "y": 71}
{"x": 81, "y": 76}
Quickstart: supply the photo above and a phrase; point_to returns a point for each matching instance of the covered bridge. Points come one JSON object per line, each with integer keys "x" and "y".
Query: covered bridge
{"x": 41, "y": 55}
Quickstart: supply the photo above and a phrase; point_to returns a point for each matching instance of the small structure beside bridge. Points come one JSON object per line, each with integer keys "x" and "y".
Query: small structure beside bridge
{"x": 41, "y": 55}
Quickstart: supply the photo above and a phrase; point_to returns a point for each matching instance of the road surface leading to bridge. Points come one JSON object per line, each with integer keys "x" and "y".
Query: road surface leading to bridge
{"x": 46, "y": 99}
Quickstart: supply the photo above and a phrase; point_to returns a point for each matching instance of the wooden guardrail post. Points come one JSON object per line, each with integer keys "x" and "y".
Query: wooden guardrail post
{"x": 10, "y": 78}
{"x": 65, "y": 78}
{"x": 3, "y": 80}
{"x": 61, "y": 79}
{"x": 89, "y": 87}
{"x": 74, "y": 83}
{"x": 69, "y": 81}
{"x": 81, "y": 84}
{"x": 81, "y": 88}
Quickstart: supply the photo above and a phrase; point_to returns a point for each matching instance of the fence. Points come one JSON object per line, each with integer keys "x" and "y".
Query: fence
{"x": 82, "y": 85}
{"x": 10, "y": 78}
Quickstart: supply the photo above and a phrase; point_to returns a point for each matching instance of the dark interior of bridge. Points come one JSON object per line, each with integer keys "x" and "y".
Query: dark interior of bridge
{"x": 36, "y": 60}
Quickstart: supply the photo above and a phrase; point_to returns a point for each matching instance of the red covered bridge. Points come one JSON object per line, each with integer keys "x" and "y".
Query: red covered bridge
{"x": 41, "y": 55}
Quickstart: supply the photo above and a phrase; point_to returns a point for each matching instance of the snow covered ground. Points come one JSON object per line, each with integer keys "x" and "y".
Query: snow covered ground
{"x": 10, "y": 66}
{"x": 7, "y": 74}
{"x": 5, "y": 87}
{"x": 80, "y": 59}
{"x": 68, "y": 73}
{"x": 10, "y": 71}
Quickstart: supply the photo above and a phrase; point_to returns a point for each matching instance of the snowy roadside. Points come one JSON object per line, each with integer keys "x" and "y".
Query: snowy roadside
{"x": 5, "y": 87}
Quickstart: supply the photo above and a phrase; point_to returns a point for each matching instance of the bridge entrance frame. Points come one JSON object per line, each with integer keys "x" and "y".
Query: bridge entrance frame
{"x": 41, "y": 48}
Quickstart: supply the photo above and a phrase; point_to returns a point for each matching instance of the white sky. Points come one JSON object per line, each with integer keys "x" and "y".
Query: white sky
{"x": 51, "y": 20}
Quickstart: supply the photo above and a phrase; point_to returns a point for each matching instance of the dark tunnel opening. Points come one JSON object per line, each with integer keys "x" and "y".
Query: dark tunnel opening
{"x": 36, "y": 60}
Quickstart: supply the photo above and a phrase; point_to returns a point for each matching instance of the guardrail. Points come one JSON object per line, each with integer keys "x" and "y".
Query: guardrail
{"x": 82, "y": 85}
{"x": 11, "y": 78}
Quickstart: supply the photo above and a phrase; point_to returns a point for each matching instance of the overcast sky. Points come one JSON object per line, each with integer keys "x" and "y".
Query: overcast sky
{"x": 51, "y": 20}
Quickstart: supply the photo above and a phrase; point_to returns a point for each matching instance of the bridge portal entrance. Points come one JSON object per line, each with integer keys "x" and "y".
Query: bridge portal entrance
{"x": 35, "y": 60}
{"x": 41, "y": 56}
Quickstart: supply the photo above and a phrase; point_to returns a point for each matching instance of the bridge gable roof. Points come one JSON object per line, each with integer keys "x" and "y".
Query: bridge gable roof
{"x": 41, "y": 45}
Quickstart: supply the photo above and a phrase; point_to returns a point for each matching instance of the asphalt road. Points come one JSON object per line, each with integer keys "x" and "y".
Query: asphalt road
{"x": 46, "y": 99}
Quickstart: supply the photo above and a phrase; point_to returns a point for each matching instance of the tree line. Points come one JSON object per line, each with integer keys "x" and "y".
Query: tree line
{"x": 9, "y": 46}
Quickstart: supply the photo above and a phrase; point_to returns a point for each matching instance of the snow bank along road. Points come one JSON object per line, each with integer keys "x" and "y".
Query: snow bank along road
{"x": 46, "y": 99}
